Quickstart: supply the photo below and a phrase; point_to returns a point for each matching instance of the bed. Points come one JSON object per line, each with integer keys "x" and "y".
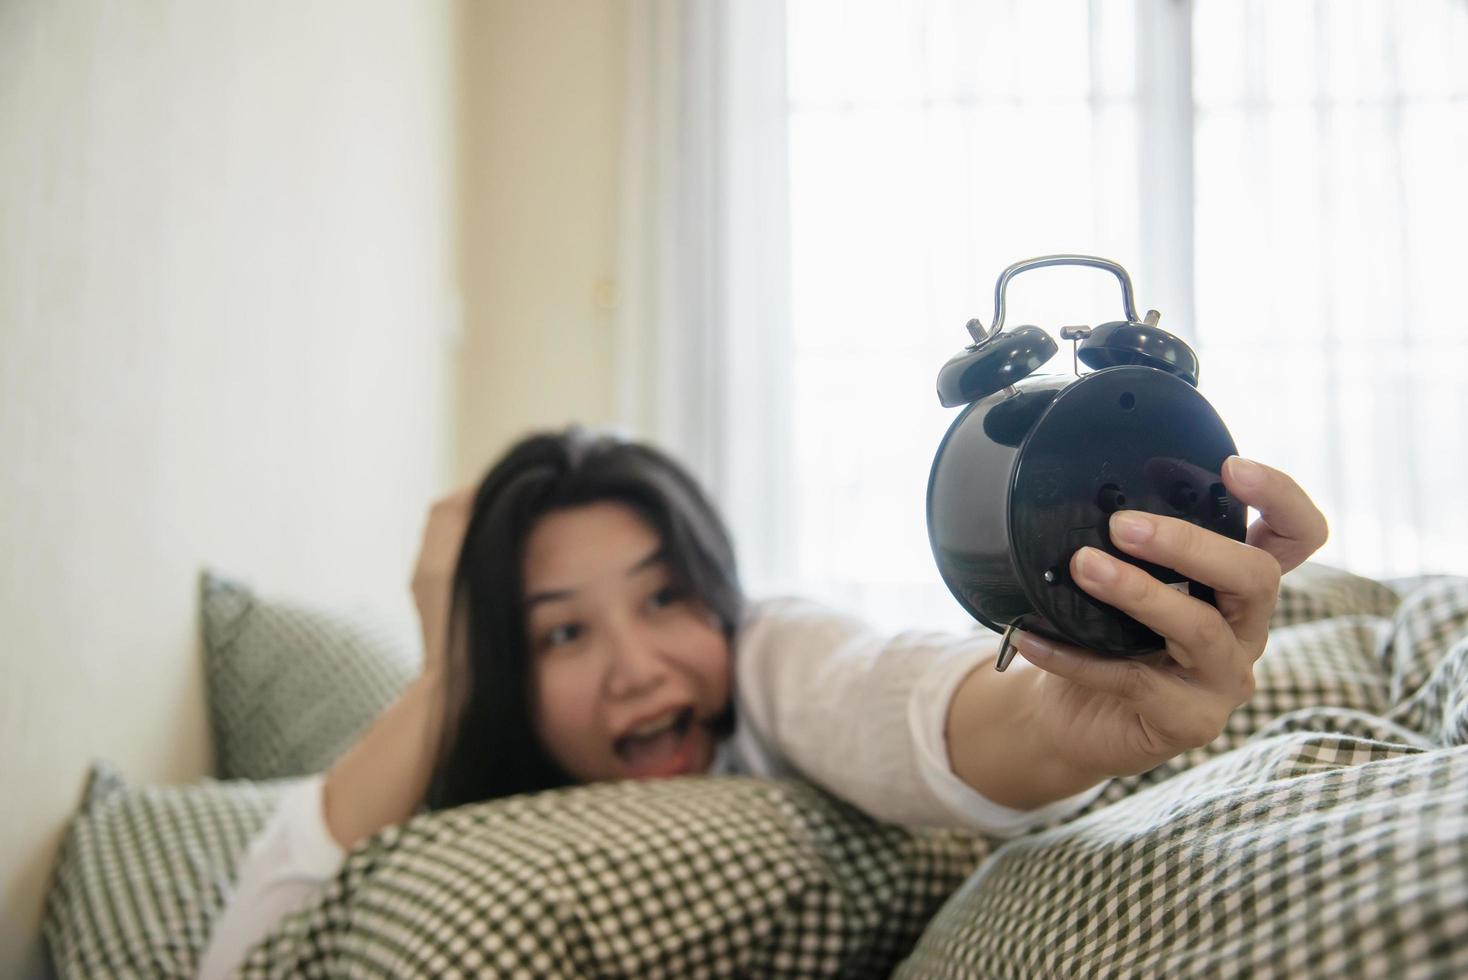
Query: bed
{"x": 1324, "y": 833}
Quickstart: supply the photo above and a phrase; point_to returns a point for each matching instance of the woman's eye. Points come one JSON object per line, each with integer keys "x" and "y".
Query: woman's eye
{"x": 664, "y": 597}
{"x": 562, "y": 635}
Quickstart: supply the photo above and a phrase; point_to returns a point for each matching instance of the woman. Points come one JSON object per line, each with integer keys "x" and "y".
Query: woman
{"x": 598, "y": 632}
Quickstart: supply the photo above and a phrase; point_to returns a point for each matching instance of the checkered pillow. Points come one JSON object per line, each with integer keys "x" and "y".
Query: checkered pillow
{"x": 676, "y": 878}
{"x": 291, "y": 686}
{"x": 142, "y": 874}
{"x": 689, "y": 877}
{"x": 1334, "y": 843}
{"x": 1427, "y": 657}
{"x": 1432, "y": 619}
{"x": 1314, "y": 592}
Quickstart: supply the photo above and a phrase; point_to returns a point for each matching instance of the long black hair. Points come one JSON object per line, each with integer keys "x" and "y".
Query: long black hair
{"x": 490, "y": 748}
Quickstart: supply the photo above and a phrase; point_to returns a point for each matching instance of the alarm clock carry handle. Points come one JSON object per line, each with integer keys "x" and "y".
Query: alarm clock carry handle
{"x": 1129, "y": 304}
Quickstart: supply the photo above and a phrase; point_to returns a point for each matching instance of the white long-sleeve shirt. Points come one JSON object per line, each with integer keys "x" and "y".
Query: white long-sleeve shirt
{"x": 818, "y": 694}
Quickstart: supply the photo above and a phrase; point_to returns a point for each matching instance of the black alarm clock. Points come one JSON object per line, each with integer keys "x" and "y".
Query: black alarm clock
{"x": 1035, "y": 464}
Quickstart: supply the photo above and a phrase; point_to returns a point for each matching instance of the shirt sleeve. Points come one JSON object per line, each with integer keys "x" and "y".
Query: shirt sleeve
{"x": 285, "y": 864}
{"x": 862, "y": 713}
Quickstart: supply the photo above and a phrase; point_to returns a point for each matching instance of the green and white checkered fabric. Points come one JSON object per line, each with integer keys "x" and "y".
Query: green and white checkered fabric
{"x": 692, "y": 877}
{"x": 718, "y": 877}
{"x": 1334, "y": 842}
{"x": 1303, "y": 855}
{"x": 1426, "y": 659}
{"x": 1314, "y": 592}
{"x": 291, "y": 686}
{"x": 142, "y": 874}
{"x": 1323, "y": 834}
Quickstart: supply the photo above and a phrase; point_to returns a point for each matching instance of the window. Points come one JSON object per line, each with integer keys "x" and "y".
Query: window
{"x": 1286, "y": 188}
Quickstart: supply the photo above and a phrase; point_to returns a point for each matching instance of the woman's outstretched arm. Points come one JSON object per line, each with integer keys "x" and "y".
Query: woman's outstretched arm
{"x": 861, "y": 712}
{"x": 918, "y": 728}
{"x": 383, "y": 778}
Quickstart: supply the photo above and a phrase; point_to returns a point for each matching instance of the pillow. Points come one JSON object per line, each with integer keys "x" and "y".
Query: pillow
{"x": 142, "y": 873}
{"x": 292, "y": 685}
{"x": 1313, "y": 592}
{"x": 1433, "y": 620}
{"x": 710, "y": 877}
{"x": 694, "y": 876}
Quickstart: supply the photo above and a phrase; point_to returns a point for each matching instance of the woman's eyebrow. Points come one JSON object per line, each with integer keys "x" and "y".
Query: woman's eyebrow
{"x": 550, "y": 595}
{"x": 657, "y": 556}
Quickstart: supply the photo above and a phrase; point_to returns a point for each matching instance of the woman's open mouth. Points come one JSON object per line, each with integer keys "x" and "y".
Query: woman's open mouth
{"x": 666, "y": 746}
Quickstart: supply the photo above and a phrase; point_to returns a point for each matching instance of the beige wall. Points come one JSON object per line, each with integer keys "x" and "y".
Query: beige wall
{"x": 227, "y": 297}
{"x": 542, "y": 115}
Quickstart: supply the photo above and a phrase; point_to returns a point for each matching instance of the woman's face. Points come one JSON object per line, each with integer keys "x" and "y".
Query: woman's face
{"x": 628, "y": 669}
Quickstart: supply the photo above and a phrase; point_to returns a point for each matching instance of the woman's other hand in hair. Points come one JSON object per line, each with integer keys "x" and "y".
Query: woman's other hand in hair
{"x": 433, "y": 573}
{"x": 382, "y": 779}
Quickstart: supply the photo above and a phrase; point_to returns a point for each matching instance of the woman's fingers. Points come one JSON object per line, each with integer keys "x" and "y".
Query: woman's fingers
{"x": 1225, "y": 564}
{"x": 433, "y": 572}
{"x": 443, "y": 535}
{"x": 1290, "y": 527}
{"x": 1245, "y": 578}
{"x": 1185, "y": 700}
{"x": 1198, "y": 637}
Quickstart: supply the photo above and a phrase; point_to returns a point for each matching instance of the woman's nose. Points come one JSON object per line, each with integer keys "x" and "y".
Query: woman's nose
{"x": 634, "y": 667}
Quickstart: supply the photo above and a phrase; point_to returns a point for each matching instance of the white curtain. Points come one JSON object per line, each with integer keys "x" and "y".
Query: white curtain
{"x": 1331, "y": 148}
{"x": 703, "y": 312}
{"x": 1283, "y": 180}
